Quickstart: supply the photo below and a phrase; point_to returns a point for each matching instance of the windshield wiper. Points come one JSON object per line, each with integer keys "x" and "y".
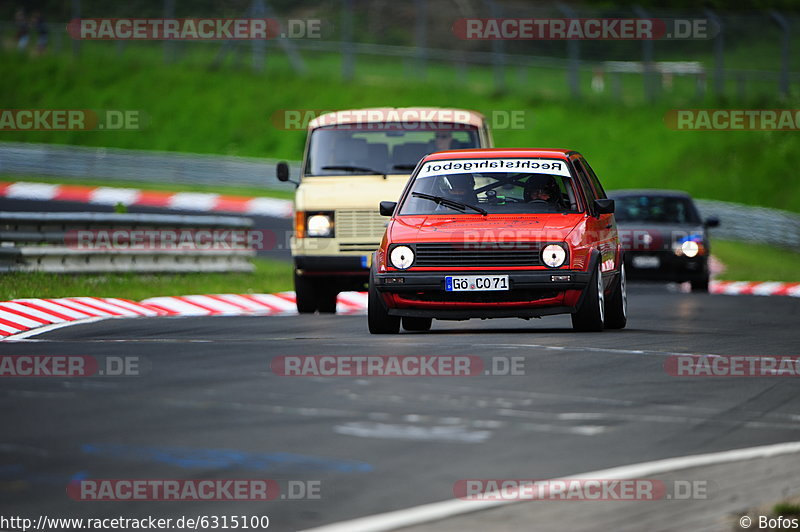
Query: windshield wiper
{"x": 457, "y": 205}
{"x": 347, "y": 168}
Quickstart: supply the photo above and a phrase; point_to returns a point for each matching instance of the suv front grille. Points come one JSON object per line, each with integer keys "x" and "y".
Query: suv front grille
{"x": 483, "y": 254}
{"x": 360, "y": 224}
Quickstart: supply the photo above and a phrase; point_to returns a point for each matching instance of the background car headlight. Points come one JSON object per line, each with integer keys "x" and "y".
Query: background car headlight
{"x": 319, "y": 225}
{"x": 402, "y": 257}
{"x": 554, "y": 255}
{"x": 690, "y": 248}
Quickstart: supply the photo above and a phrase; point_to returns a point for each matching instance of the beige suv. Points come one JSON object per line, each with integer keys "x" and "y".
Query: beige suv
{"x": 353, "y": 160}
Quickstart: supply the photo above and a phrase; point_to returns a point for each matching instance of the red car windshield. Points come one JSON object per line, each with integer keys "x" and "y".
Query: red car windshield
{"x": 439, "y": 187}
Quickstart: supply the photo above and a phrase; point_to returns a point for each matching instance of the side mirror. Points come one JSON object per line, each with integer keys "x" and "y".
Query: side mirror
{"x": 387, "y": 208}
{"x": 712, "y": 221}
{"x": 604, "y": 206}
{"x": 282, "y": 171}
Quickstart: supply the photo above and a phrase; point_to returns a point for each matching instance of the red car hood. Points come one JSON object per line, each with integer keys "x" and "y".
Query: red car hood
{"x": 477, "y": 228}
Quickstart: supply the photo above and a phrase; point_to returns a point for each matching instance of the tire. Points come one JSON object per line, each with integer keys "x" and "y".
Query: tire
{"x": 417, "y": 324}
{"x": 378, "y": 318}
{"x": 326, "y": 300}
{"x": 617, "y": 304}
{"x": 700, "y": 285}
{"x": 591, "y": 312}
{"x": 304, "y": 294}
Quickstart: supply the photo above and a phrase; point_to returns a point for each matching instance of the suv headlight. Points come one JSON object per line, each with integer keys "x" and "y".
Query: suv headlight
{"x": 554, "y": 255}
{"x": 402, "y": 257}
{"x": 320, "y": 225}
{"x": 690, "y": 248}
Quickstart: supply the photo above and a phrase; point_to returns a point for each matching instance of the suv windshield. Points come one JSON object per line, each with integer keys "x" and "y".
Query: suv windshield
{"x": 656, "y": 209}
{"x": 388, "y": 148}
{"x": 539, "y": 186}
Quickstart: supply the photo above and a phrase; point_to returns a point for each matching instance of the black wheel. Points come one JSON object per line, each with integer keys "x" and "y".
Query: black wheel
{"x": 591, "y": 312}
{"x": 700, "y": 285}
{"x": 304, "y": 294}
{"x": 378, "y": 317}
{"x": 617, "y": 303}
{"x": 326, "y": 300}
{"x": 417, "y": 324}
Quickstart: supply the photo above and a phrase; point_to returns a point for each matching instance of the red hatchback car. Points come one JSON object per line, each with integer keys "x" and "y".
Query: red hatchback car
{"x": 499, "y": 233}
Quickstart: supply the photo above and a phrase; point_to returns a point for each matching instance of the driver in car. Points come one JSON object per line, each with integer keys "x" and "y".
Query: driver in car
{"x": 542, "y": 188}
{"x": 462, "y": 188}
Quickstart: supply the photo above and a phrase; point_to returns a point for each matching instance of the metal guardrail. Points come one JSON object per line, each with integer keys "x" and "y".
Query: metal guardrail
{"x": 21, "y": 158}
{"x": 756, "y": 224}
{"x": 71, "y": 243}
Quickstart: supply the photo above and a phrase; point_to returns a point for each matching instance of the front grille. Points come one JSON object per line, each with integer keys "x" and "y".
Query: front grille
{"x": 360, "y": 224}
{"x": 483, "y": 254}
{"x": 366, "y": 247}
{"x": 510, "y": 296}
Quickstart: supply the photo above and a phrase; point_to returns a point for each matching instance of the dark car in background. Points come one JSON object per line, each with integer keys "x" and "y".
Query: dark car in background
{"x": 664, "y": 236}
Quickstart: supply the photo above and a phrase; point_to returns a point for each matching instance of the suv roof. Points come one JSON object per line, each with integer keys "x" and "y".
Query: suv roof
{"x": 395, "y": 114}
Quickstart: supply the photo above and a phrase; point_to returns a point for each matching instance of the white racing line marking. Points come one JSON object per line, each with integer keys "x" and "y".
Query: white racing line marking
{"x": 52, "y": 327}
{"x": 454, "y": 507}
{"x": 604, "y": 350}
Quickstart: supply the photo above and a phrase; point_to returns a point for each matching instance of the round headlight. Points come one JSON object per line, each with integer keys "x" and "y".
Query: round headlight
{"x": 554, "y": 255}
{"x": 402, "y": 257}
{"x": 690, "y": 248}
{"x": 319, "y": 225}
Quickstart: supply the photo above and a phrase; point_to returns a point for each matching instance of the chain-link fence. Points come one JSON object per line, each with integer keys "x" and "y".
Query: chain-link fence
{"x": 742, "y": 55}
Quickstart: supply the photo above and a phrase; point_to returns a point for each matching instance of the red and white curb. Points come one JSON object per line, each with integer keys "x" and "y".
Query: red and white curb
{"x": 21, "y": 315}
{"x": 189, "y": 201}
{"x": 749, "y": 288}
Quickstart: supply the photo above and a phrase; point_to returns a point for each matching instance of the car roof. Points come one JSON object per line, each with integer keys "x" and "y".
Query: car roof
{"x": 369, "y": 115}
{"x": 482, "y": 153}
{"x": 650, "y": 192}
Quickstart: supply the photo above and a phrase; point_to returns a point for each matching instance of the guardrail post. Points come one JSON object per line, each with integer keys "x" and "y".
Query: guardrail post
{"x": 421, "y": 37}
{"x": 647, "y": 61}
{"x": 169, "y": 46}
{"x": 719, "y": 54}
{"x": 258, "y": 10}
{"x": 347, "y": 40}
{"x": 76, "y": 14}
{"x": 785, "y": 50}
{"x": 574, "y": 54}
{"x": 498, "y": 56}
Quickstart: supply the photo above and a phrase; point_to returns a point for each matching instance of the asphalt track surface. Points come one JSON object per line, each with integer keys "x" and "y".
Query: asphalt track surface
{"x": 208, "y": 406}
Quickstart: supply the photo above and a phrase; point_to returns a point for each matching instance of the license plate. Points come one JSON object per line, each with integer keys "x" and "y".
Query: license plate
{"x": 646, "y": 262}
{"x": 475, "y": 283}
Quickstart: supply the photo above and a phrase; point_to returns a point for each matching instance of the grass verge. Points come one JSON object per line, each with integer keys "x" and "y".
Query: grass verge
{"x": 269, "y": 276}
{"x": 627, "y": 143}
{"x": 745, "y": 261}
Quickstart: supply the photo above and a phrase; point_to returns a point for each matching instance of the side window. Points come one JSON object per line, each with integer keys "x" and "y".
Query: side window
{"x": 583, "y": 179}
{"x": 598, "y": 188}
